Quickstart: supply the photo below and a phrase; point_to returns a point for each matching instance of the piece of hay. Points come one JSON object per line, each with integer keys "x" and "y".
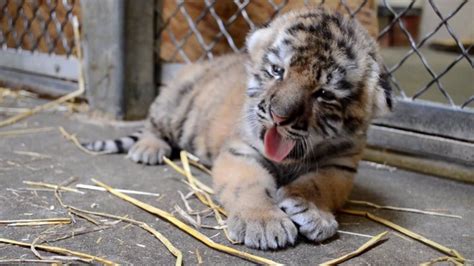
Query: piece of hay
{"x": 35, "y": 190}
{"x": 185, "y": 200}
{"x": 178, "y": 169}
{"x": 69, "y": 181}
{"x": 354, "y": 234}
{"x": 173, "y": 250}
{"x": 59, "y": 250}
{"x": 200, "y": 196}
{"x": 80, "y": 212}
{"x": 193, "y": 222}
{"x": 32, "y": 154}
{"x": 217, "y": 209}
{"x": 22, "y": 261}
{"x": 194, "y": 161}
{"x": 374, "y": 205}
{"x": 198, "y": 165}
{"x": 186, "y": 217}
{"x": 73, "y": 139}
{"x": 34, "y": 222}
{"x": 55, "y": 257}
{"x": 25, "y": 131}
{"x": 403, "y": 237}
{"x": 52, "y": 186}
{"x": 16, "y": 94}
{"x": 455, "y": 261}
{"x": 63, "y": 99}
{"x": 126, "y": 191}
{"x": 406, "y": 232}
{"x": 74, "y": 233}
{"x": 199, "y": 258}
{"x": 73, "y": 210}
{"x": 15, "y": 110}
{"x": 374, "y": 240}
{"x": 190, "y": 210}
{"x": 184, "y": 227}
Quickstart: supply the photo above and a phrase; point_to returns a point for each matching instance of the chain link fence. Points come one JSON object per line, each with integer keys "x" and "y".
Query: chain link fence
{"x": 38, "y": 26}
{"x": 37, "y": 49}
{"x": 196, "y": 30}
{"x": 188, "y": 31}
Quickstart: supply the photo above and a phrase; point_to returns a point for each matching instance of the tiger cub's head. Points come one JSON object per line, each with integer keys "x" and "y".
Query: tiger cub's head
{"x": 313, "y": 76}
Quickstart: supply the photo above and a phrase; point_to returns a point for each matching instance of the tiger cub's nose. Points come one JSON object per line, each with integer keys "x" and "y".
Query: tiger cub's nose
{"x": 278, "y": 119}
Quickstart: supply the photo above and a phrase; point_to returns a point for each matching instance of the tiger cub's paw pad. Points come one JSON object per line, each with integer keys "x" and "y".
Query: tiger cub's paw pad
{"x": 263, "y": 229}
{"x": 315, "y": 224}
{"x": 149, "y": 151}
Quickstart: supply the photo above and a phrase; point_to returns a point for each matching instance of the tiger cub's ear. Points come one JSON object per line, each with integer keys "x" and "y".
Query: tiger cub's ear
{"x": 383, "y": 101}
{"x": 258, "y": 39}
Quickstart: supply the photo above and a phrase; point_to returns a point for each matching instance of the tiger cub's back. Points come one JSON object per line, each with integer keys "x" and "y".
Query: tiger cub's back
{"x": 200, "y": 108}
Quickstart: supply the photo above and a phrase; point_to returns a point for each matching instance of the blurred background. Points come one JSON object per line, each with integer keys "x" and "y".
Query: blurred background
{"x": 131, "y": 48}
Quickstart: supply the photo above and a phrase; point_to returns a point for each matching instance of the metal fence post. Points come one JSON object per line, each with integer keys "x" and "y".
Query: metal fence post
{"x": 103, "y": 37}
{"x": 140, "y": 86}
{"x": 118, "y": 56}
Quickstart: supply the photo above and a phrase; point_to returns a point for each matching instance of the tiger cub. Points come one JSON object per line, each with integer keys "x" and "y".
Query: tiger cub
{"x": 283, "y": 124}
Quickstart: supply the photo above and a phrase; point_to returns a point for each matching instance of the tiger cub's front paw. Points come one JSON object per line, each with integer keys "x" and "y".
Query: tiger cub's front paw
{"x": 149, "y": 150}
{"x": 262, "y": 229}
{"x": 315, "y": 224}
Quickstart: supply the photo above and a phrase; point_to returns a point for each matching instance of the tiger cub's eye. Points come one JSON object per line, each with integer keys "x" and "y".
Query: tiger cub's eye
{"x": 324, "y": 94}
{"x": 277, "y": 71}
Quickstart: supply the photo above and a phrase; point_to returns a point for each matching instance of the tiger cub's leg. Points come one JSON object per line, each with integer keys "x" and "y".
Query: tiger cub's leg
{"x": 244, "y": 187}
{"x": 150, "y": 148}
{"x": 310, "y": 199}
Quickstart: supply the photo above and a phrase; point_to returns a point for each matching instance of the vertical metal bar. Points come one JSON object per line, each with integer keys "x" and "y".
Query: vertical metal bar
{"x": 104, "y": 59}
{"x": 140, "y": 88}
{"x": 118, "y": 56}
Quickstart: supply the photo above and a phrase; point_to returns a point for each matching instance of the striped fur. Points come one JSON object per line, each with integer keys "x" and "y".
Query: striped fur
{"x": 319, "y": 71}
{"x": 119, "y": 145}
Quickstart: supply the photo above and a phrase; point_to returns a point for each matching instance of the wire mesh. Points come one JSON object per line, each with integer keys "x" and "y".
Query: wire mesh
{"x": 38, "y": 26}
{"x": 190, "y": 31}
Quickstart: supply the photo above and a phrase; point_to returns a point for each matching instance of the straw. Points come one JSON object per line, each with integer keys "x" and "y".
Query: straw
{"x": 374, "y": 240}
{"x": 374, "y": 205}
{"x": 62, "y": 99}
{"x": 406, "y": 232}
{"x": 184, "y": 227}
{"x": 59, "y": 250}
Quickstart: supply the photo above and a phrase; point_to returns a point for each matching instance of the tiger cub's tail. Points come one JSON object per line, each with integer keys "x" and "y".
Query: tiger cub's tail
{"x": 120, "y": 145}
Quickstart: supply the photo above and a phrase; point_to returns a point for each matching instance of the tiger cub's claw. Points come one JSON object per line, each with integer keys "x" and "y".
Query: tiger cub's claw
{"x": 262, "y": 229}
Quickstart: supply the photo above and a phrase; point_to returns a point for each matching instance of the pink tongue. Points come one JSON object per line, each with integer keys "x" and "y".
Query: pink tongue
{"x": 277, "y": 147}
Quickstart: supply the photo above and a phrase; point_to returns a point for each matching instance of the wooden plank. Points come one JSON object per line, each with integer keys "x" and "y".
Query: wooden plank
{"x": 423, "y": 165}
{"x": 39, "y": 84}
{"x": 421, "y": 144}
{"x": 52, "y": 65}
{"x": 432, "y": 119}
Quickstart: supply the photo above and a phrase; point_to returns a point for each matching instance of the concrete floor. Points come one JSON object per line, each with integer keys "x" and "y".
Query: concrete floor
{"x": 130, "y": 245}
